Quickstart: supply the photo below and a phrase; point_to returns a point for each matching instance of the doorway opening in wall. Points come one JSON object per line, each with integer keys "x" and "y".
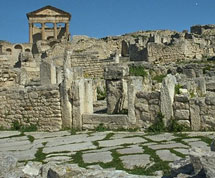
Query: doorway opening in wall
{"x": 18, "y": 48}
{"x": 100, "y": 102}
{"x": 9, "y": 51}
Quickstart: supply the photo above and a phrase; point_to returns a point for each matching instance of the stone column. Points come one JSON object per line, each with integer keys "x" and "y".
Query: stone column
{"x": 114, "y": 76}
{"x": 30, "y": 32}
{"x": 67, "y": 29}
{"x": 55, "y": 30}
{"x": 43, "y": 31}
{"x": 135, "y": 84}
{"x": 167, "y": 97}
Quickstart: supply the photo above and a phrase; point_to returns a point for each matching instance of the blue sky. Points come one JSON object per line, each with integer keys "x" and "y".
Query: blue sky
{"x": 100, "y": 18}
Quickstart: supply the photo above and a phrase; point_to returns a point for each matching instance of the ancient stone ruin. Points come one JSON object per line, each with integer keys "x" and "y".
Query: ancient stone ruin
{"x": 127, "y": 81}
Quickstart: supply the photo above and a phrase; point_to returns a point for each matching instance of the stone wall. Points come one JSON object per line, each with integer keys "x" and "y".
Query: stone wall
{"x": 147, "y": 106}
{"x": 92, "y": 67}
{"x": 35, "y": 105}
{"x": 197, "y": 113}
{"x": 8, "y": 77}
{"x": 182, "y": 50}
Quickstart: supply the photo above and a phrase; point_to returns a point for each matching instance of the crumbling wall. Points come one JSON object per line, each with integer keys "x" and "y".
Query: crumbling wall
{"x": 35, "y": 105}
{"x": 92, "y": 67}
{"x": 8, "y": 77}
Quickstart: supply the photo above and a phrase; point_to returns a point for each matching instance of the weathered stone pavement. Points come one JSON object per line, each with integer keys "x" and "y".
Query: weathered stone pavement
{"x": 134, "y": 152}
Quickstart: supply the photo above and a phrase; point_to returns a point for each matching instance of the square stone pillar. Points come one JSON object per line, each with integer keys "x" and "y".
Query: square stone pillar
{"x": 135, "y": 84}
{"x": 43, "y": 31}
{"x": 115, "y": 78}
{"x": 55, "y": 31}
{"x": 82, "y": 101}
{"x": 67, "y": 29}
{"x": 30, "y": 32}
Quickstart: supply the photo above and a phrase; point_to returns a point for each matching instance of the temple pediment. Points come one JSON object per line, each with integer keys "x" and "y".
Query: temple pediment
{"x": 48, "y": 11}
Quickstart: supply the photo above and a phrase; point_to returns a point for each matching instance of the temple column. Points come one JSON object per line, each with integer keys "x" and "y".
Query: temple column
{"x": 30, "y": 32}
{"x": 67, "y": 29}
{"x": 55, "y": 31}
{"x": 43, "y": 31}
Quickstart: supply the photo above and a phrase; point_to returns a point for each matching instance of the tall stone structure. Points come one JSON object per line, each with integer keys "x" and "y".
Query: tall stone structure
{"x": 45, "y": 23}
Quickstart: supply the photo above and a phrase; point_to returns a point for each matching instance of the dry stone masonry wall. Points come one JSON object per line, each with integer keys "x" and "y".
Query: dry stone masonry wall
{"x": 39, "y": 106}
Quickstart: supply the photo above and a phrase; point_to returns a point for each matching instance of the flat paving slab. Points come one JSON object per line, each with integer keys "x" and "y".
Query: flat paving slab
{"x": 70, "y": 147}
{"x": 182, "y": 151}
{"x": 199, "y": 144}
{"x": 116, "y": 142}
{"x": 168, "y": 146}
{"x": 166, "y": 155}
{"x": 103, "y": 157}
{"x": 5, "y": 134}
{"x": 132, "y": 161}
{"x": 131, "y": 150}
{"x": 161, "y": 137}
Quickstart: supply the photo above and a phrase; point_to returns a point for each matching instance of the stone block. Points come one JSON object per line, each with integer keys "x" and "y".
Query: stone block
{"x": 134, "y": 86}
{"x": 182, "y": 114}
{"x": 142, "y": 107}
{"x": 47, "y": 73}
{"x": 185, "y": 123}
{"x": 115, "y": 96}
{"x": 181, "y": 105}
{"x": 210, "y": 100}
{"x": 195, "y": 116}
{"x": 190, "y": 73}
{"x": 182, "y": 98}
{"x": 116, "y": 72}
{"x": 210, "y": 86}
{"x": 201, "y": 86}
{"x": 167, "y": 96}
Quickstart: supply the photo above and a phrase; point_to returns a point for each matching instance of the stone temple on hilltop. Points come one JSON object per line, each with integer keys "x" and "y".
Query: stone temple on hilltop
{"x": 45, "y": 16}
{"x": 56, "y": 81}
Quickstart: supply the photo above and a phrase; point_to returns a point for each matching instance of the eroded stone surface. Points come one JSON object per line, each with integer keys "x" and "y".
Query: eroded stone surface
{"x": 166, "y": 155}
{"x": 60, "y": 148}
{"x": 8, "y": 134}
{"x": 97, "y": 157}
{"x": 161, "y": 137}
{"x": 131, "y": 161}
{"x": 133, "y": 140}
{"x": 70, "y": 147}
{"x": 131, "y": 150}
{"x": 168, "y": 145}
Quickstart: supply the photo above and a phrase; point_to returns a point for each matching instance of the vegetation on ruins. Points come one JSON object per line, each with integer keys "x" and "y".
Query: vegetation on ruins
{"x": 16, "y": 125}
{"x": 159, "y": 78}
{"x": 158, "y": 125}
{"x": 101, "y": 94}
{"x": 172, "y": 125}
{"x": 137, "y": 71}
{"x": 177, "y": 88}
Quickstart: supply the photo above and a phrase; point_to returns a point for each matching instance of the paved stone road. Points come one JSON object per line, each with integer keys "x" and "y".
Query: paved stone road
{"x": 129, "y": 151}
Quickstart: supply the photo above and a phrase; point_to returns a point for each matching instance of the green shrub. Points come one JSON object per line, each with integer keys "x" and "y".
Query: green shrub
{"x": 123, "y": 111}
{"x": 30, "y": 128}
{"x": 192, "y": 94}
{"x": 137, "y": 71}
{"x": 101, "y": 95}
{"x": 17, "y": 126}
{"x": 159, "y": 78}
{"x": 101, "y": 128}
{"x": 177, "y": 88}
{"x": 206, "y": 68}
{"x": 158, "y": 125}
{"x": 174, "y": 126}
